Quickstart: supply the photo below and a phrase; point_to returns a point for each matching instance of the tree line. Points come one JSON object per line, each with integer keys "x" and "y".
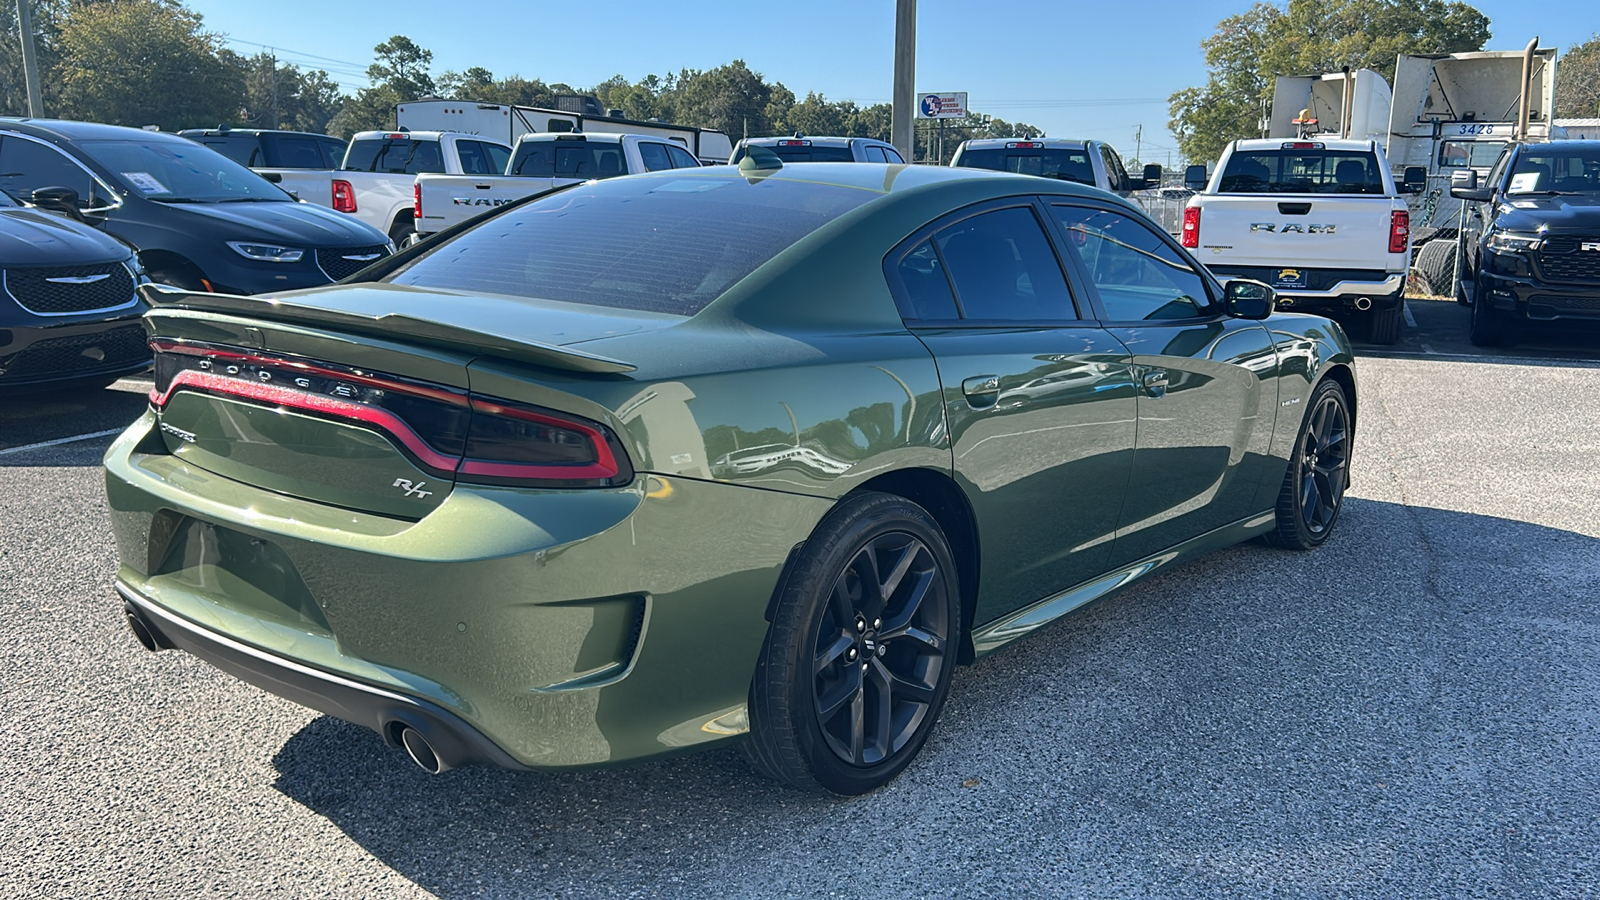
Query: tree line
{"x": 152, "y": 62}
{"x": 1249, "y": 50}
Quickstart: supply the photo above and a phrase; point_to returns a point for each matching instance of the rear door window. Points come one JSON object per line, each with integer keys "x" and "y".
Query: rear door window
{"x": 473, "y": 160}
{"x": 654, "y": 156}
{"x": 875, "y": 154}
{"x": 681, "y": 158}
{"x": 333, "y": 152}
{"x": 498, "y": 157}
{"x": 1138, "y": 274}
{"x": 1004, "y": 269}
{"x": 1302, "y": 171}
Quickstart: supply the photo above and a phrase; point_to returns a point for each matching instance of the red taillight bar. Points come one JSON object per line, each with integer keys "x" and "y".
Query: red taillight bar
{"x": 1191, "y": 227}
{"x": 416, "y": 203}
{"x": 604, "y": 467}
{"x": 212, "y": 383}
{"x": 1399, "y": 231}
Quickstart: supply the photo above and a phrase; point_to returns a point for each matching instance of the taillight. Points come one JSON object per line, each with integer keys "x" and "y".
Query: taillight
{"x": 344, "y": 197}
{"x": 1399, "y": 231}
{"x": 509, "y": 443}
{"x": 416, "y": 203}
{"x": 1191, "y": 227}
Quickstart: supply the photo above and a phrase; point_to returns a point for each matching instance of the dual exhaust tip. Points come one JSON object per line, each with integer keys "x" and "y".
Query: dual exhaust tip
{"x": 415, "y": 744}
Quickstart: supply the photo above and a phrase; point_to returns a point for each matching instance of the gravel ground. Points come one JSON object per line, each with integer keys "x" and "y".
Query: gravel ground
{"x": 1408, "y": 712}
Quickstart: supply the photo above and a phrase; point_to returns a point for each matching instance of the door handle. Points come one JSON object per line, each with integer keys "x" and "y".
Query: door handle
{"x": 1155, "y": 383}
{"x": 981, "y": 390}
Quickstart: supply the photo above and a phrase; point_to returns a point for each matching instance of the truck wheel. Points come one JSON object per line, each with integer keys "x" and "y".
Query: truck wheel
{"x": 1488, "y": 326}
{"x": 401, "y": 233}
{"x": 862, "y": 647}
{"x": 1436, "y": 262}
{"x": 1383, "y": 325}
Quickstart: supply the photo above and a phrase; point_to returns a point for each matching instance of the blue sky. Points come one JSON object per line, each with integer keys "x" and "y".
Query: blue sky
{"x": 1084, "y": 69}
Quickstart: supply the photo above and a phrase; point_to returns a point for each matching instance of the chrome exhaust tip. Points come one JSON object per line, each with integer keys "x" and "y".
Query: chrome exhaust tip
{"x": 1363, "y": 303}
{"x": 420, "y": 751}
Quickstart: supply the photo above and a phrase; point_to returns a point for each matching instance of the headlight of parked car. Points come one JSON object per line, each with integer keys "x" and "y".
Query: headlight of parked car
{"x": 1514, "y": 242}
{"x": 266, "y": 252}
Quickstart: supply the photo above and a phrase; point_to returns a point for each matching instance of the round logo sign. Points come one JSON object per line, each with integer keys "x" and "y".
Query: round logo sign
{"x": 931, "y": 105}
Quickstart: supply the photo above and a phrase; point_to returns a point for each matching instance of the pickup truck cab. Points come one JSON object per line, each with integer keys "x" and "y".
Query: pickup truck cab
{"x": 1094, "y": 163}
{"x": 1530, "y": 242}
{"x": 801, "y": 148}
{"x": 541, "y": 161}
{"x": 300, "y": 162}
{"x": 377, "y": 182}
{"x": 1321, "y": 221}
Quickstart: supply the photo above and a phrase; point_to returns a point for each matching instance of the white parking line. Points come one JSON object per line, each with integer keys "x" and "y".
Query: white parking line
{"x": 66, "y": 440}
{"x": 1411, "y": 320}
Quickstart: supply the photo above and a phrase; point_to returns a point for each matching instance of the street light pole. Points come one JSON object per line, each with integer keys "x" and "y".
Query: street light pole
{"x": 30, "y": 63}
{"x": 905, "y": 70}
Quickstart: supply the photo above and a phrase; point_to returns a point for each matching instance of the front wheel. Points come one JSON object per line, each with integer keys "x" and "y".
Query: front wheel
{"x": 1319, "y": 471}
{"x": 1488, "y": 326}
{"x": 862, "y": 647}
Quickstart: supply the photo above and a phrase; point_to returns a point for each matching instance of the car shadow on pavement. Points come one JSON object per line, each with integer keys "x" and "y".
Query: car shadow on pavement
{"x": 27, "y": 420}
{"x": 1407, "y": 711}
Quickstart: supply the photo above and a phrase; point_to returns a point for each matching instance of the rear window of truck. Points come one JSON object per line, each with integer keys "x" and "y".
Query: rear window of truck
{"x": 661, "y": 244}
{"x": 399, "y": 156}
{"x": 1313, "y": 171}
{"x": 1060, "y": 164}
{"x": 569, "y": 158}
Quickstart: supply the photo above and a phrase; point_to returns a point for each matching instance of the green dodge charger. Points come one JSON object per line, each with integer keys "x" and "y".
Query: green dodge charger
{"x": 756, "y": 454}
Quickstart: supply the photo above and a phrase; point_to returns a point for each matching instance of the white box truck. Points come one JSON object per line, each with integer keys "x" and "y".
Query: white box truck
{"x": 505, "y": 123}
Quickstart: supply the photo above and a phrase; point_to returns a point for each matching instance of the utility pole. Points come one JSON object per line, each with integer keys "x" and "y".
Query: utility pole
{"x": 274, "y": 60}
{"x": 905, "y": 71}
{"x": 30, "y": 63}
{"x": 1138, "y": 145}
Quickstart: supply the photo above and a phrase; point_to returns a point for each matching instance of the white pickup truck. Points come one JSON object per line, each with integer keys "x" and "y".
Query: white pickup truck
{"x": 540, "y": 162}
{"x": 1322, "y": 221}
{"x": 377, "y": 182}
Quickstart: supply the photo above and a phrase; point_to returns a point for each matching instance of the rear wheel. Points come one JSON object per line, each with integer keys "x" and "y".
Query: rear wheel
{"x": 862, "y": 646}
{"x": 1383, "y": 325}
{"x": 401, "y": 232}
{"x": 1319, "y": 471}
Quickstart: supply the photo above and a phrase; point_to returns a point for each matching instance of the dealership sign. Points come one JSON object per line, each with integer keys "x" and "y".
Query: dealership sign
{"x": 942, "y": 106}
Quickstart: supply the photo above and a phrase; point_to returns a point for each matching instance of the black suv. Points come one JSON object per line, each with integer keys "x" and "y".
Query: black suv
{"x": 200, "y": 221}
{"x": 260, "y": 148}
{"x": 1530, "y": 244}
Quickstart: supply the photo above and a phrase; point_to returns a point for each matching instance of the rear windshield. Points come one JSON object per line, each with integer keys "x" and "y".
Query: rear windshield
{"x": 1302, "y": 172}
{"x": 400, "y": 157}
{"x": 563, "y": 158}
{"x": 1060, "y": 164}
{"x": 664, "y": 244}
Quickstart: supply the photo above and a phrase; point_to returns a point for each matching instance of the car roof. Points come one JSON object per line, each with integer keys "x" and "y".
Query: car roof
{"x": 1049, "y": 143}
{"x": 70, "y": 130}
{"x": 1326, "y": 142}
{"x": 225, "y": 132}
{"x": 894, "y": 178}
{"x": 816, "y": 141}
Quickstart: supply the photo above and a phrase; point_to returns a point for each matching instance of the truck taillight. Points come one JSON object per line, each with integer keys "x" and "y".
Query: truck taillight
{"x": 344, "y": 197}
{"x": 1399, "y": 231}
{"x": 416, "y": 203}
{"x": 1191, "y": 227}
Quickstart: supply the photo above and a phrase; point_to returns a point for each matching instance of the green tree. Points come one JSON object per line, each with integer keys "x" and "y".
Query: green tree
{"x": 304, "y": 100}
{"x": 1578, "y": 81}
{"x": 400, "y": 73}
{"x": 1249, "y": 50}
{"x": 731, "y": 98}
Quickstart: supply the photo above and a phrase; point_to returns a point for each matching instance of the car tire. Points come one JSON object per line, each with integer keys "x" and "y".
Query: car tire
{"x": 1319, "y": 472}
{"x": 1383, "y": 325}
{"x": 401, "y": 232}
{"x": 1462, "y": 297}
{"x": 1487, "y": 327}
{"x": 1436, "y": 262}
{"x": 183, "y": 277}
{"x": 850, "y": 682}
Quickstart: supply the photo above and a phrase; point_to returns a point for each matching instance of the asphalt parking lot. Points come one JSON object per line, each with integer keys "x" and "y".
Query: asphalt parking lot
{"x": 1408, "y": 712}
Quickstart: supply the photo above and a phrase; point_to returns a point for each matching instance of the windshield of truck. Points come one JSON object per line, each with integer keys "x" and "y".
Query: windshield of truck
{"x": 396, "y": 156}
{"x": 175, "y": 170}
{"x": 564, "y": 158}
{"x": 1556, "y": 170}
{"x": 1060, "y": 163}
{"x": 1469, "y": 154}
{"x": 660, "y": 244}
{"x": 1302, "y": 171}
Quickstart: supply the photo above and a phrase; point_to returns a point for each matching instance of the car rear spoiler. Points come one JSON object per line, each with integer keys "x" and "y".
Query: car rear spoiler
{"x": 389, "y": 325}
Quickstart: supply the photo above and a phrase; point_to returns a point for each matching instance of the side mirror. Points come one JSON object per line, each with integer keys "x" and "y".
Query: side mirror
{"x": 1464, "y": 186}
{"x": 1246, "y": 299}
{"x": 1194, "y": 177}
{"x": 1414, "y": 180}
{"x": 56, "y": 199}
{"x": 1152, "y": 175}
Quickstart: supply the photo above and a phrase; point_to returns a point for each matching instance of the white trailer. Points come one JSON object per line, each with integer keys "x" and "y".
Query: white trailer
{"x": 1310, "y": 105}
{"x": 505, "y": 123}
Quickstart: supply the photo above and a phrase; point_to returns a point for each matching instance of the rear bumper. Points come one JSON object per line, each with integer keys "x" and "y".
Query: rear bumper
{"x": 455, "y": 741}
{"x": 1384, "y": 292}
{"x": 526, "y": 629}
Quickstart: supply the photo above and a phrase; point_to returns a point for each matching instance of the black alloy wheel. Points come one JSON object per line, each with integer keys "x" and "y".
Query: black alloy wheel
{"x": 861, "y": 652}
{"x": 1319, "y": 471}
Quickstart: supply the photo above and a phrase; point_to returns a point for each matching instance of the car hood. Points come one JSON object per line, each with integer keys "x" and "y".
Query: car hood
{"x": 31, "y": 237}
{"x": 287, "y": 222}
{"x": 1568, "y": 212}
